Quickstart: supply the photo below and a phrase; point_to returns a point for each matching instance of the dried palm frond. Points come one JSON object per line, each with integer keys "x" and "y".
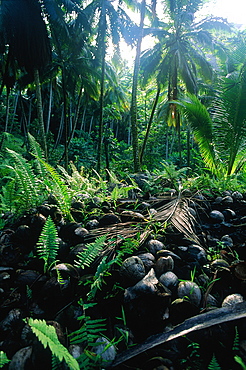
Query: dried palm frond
{"x": 117, "y": 233}
{"x": 176, "y": 212}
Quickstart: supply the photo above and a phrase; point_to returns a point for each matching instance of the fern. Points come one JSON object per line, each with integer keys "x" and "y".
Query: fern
{"x": 47, "y": 246}
{"x": 89, "y": 332}
{"x": 8, "y": 198}
{"x": 214, "y": 365}
{"x": 37, "y": 152}
{"x": 58, "y": 188}
{"x": 3, "y": 359}
{"x": 46, "y": 334}
{"x": 78, "y": 181}
{"x": 92, "y": 250}
{"x": 240, "y": 361}
{"x": 28, "y": 185}
{"x": 56, "y": 364}
{"x": 235, "y": 346}
{"x": 98, "y": 278}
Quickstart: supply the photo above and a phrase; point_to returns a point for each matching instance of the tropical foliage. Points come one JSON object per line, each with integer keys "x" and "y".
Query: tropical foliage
{"x": 65, "y": 82}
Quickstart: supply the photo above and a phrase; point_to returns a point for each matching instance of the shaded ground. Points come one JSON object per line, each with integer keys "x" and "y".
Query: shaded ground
{"x": 181, "y": 256}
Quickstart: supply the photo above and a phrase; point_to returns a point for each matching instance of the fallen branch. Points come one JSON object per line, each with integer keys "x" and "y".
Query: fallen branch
{"x": 202, "y": 321}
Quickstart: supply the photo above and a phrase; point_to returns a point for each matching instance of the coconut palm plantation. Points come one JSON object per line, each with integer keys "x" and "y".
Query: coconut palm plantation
{"x": 122, "y": 186}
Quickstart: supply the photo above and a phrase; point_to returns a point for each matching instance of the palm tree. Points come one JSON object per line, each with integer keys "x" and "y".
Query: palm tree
{"x": 179, "y": 57}
{"x": 112, "y": 24}
{"x": 24, "y": 32}
{"x": 134, "y": 125}
{"x": 221, "y": 134}
{"x": 73, "y": 61}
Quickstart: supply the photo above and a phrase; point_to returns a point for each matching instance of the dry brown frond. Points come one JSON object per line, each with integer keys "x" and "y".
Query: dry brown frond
{"x": 176, "y": 212}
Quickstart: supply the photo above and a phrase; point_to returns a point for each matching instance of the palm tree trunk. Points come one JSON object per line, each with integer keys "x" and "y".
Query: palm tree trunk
{"x": 101, "y": 102}
{"x": 61, "y": 126}
{"x": 149, "y": 125}
{"x": 40, "y": 112}
{"x": 76, "y": 116}
{"x": 65, "y": 118}
{"x": 7, "y": 110}
{"x": 49, "y": 109}
{"x": 14, "y": 112}
{"x": 134, "y": 125}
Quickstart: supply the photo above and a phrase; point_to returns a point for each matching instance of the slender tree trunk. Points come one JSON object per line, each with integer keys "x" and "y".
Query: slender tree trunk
{"x": 149, "y": 125}
{"x": 6, "y": 118}
{"x": 49, "y": 108}
{"x": 29, "y": 113}
{"x": 14, "y": 112}
{"x": 101, "y": 102}
{"x": 134, "y": 124}
{"x": 90, "y": 127}
{"x": 65, "y": 118}
{"x": 24, "y": 121}
{"x": 40, "y": 112}
{"x": 7, "y": 110}
{"x": 61, "y": 126}
{"x": 188, "y": 149}
{"x": 82, "y": 126}
{"x": 76, "y": 116}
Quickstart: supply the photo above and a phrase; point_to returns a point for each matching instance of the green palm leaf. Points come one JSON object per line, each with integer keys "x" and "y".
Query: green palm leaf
{"x": 202, "y": 126}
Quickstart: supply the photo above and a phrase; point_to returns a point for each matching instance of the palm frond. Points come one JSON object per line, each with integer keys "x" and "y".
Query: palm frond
{"x": 202, "y": 126}
{"x": 230, "y": 114}
{"x": 214, "y": 23}
{"x": 149, "y": 62}
{"x": 188, "y": 76}
{"x": 176, "y": 212}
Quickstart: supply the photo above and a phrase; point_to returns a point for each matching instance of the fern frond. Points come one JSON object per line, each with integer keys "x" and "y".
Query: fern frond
{"x": 46, "y": 334}
{"x": 56, "y": 364}
{"x": 3, "y": 359}
{"x": 86, "y": 257}
{"x": 8, "y": 198}
{"x": 89, "y": 332}
{"x": 98, "y": 279}
{"x": 214, "y": 365}
{"x": 57, "y": 186}
{"x": 240, "y": 361}
{"x": 37, "y": 152}
{"x": 235, "y": 346}
{"x": 28, "y": 185}
{"x": 47, "y": 246}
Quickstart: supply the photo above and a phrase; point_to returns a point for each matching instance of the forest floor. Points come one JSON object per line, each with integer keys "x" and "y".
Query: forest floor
{"x": 166, "y": 274}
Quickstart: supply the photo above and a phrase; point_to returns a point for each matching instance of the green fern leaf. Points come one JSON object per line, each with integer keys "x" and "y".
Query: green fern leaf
{"x": 46, "y": 334}
{"x": 89, "y": 332}
{"x": 37, "y": 152}
{"x": 56, "y": 364}
{"x": 3, "y": 359}
{"x": 235, "y": 346}
{"x": 57, "y": 186}
{"x": 92, "y": 250}
{"x": 47, "y": 246}
{"x": 240, "y": 361}
{"x": 28, "y": 185}
{"x": 214, "y": 365}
